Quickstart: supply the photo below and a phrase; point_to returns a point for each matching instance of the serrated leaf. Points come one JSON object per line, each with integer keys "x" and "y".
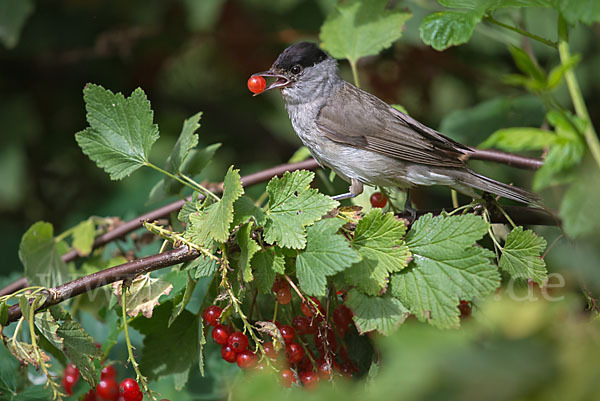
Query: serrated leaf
{"x": 248, "y": 248}
{"x": 39, "y": 255}
{"x": 586, "y": 11}
{"x": 188, "y": 208}
{"x": 521, "y": 256}
{"x": 143, "y": 294}
{"x": 167, "y": 349}
{"x": 326, "y": 254}
{"x": 184, "y": 300}
{"x": 378, "y": 238}
{"x": 13, "y": 14}
{"x": 293, "y": 205}
{"x": 78, "y": 346}
{"x": 579, "y": 210}
{"x": 520, "y": 138}
{"x": 446, "y": 268}
{"x": 121, "y": 130}
{"x": 244, "y": 209}
{"x": 214, "y": 223}
{"x": 444, "y": 29}
{"x": 198, "y": 159}
{"x": 267, "y": 263}
{"x": 358, "y": 29}
{"x": 83, "y": 237}
{"x": 202, "y": 267}
{"x": 188, "y": 139}
{"x": 383, "y": 313}
{"x": 562, "y": 156}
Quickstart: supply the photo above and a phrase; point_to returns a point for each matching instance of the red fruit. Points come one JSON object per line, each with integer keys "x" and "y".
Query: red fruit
{"x": 288, "y": 333}
{"x": 284, "y": 295}
{"x": 302, "y": 325}
{"x": 212, "y": 314}
{"x": 309, "y": 310}
{"x": 278, "y": 283}
{"x": 287, "y": 378}
{"x": 71, "y": 370}
{"x": 108, "y": 389}
{"x": 130, "y": 389}
{"x": 304, "y": 364}
{"x": 68, "y": 381}
{"x": 294, "y": 353}
{"x": 322, "y": 342}
{"x": 342, "y": 316}
{"x": 228, "y": 353}
{"x": 238, "y": 341}
{"x": 309, "y": 379}
{"x": 90, "y": 396}
{"x": 270, "y": 350}
{"x": 324, "y": 368}
{"x": 347, "y": 368}
{"x": 220, "y": 334}
{"x": 246, "y": 359}
{"x": 465, "y": 309}
{"x": 256, "y": 84}
{"x": 108, "y": 372}
{"x": 378, "y": 200}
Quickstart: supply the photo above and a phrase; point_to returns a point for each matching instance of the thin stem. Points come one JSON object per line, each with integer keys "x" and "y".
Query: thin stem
{"x": 202, "y": 189}
{"x": 576, "y": 97}
{"x": 454, "y": 196}
{"x": 522, "y": 32}
{"x": 354, "y": 73}
{"x": 192, "y": 184}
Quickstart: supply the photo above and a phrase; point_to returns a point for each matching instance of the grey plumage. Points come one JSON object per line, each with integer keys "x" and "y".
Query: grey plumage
{"x": 362, "y": 138}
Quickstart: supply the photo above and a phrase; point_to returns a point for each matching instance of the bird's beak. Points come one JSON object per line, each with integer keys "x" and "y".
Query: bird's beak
{"x": 280, "y": 82}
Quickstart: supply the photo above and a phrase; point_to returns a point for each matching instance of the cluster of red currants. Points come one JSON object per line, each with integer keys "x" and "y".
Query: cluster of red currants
{"x": 107, "y": 389}
{"x": 297, "y": 354}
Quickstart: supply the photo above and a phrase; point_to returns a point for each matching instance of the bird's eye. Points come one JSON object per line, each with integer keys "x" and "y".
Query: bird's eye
{"x": 296, "y": 69}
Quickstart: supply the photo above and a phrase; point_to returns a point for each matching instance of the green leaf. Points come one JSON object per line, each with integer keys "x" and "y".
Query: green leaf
{"x": 168, "y": 349}
{"x": 13, "y": 14}
{"x": 383, "y": 313}
{"x": 586, "y": 11}
{"x": 528, "y": 66}
{"x": 446, "y": 268}
{"x": 556, "y": 75}
{"x": 83, "y": 237}
{"x": 267, "y": 263}
{"x": 378, "y": 240}
{"x": 38, "y": 253}
{"x": 184, "y": 300}
{"x": 562, "y": 156}
{"x": 121, "y": 131}
{"x": 187, "y": 141}
{"x": 214, "y": 223}
{"x": 520, "y": 138}
{"x": 326, "y": 254}
{"x": 3, "y": 313}
{"x": 78, "y": 346}
{"x": 8, "y": 371}
{"x": 188, "y": 208}
{"x": 198, "y": 159}
{"x": 248, "y": 248}
{"x": 292, "y": 206}
{"x": 202, "y": 267}
{"x": 244, "y": 209}
{"x": 521, "y": 257}
{"x": 358, "y": 29}
{"x": 579, "y": 209}
{"x": 444, "y": 29}
{"x": 491, "y": 5}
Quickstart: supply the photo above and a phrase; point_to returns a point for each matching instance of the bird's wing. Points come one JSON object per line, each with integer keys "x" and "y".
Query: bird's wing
{"x": 362, "y": 120}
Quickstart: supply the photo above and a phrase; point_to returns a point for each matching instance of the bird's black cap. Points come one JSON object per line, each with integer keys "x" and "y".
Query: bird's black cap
{"x": 304, "y": 53}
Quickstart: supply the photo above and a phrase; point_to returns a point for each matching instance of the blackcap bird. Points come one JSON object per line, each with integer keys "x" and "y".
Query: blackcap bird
{"x": 365, "y": 140}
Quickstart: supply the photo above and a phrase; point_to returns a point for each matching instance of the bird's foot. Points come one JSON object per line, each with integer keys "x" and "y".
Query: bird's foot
{"x": 356, "y": 188}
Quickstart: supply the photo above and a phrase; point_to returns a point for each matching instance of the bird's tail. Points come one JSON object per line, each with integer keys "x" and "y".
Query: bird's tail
{"x": 486, "y": 184}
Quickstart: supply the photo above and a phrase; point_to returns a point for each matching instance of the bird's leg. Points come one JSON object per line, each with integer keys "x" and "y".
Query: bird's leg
{"x": 356, "y": 188}
{"x": 408, "y": 207}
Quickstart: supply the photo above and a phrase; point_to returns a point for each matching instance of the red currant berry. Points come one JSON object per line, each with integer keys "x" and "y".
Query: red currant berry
{"x": 212, "y": 314}
{"x": 270, "y": 350}
{"x": 378, "y": 200}
{"x": 284, "y": 295}
{"x": 304, "y": 365}
{"x": 108, "y": 372}
{"x": 323, "y": 342}
{"x": 302, "y": 325}
{"x": 278, "y": 283}
{"x": 288, "y": 333}
{"x": 465, "y": 309}
{"x": 220, "y": 334}
{"x": 90, "y": 396}
{"x": 238, "y": 341}
{"x": 256, "y": 84}
{"x": 71, "y": 370}
{"x": 308, "y": 308}
{"x": 246, "y": 359}
{"x": 108, "y": 389}
{"x": 130, "y": 389}
{"x": 287, "y": 378}
{"x": 324, "y": 368}
{"x": 68, "y": 382}
{"x": 294, "y": 353}
{"x": 342, "y": 316}
{"x": 309, "y": 379}
{"x": 228, "y": 353}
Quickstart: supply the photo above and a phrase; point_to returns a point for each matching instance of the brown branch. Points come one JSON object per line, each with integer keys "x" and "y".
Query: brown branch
{"x": 104, "y": 277}
{"x": 510, "y": 159}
